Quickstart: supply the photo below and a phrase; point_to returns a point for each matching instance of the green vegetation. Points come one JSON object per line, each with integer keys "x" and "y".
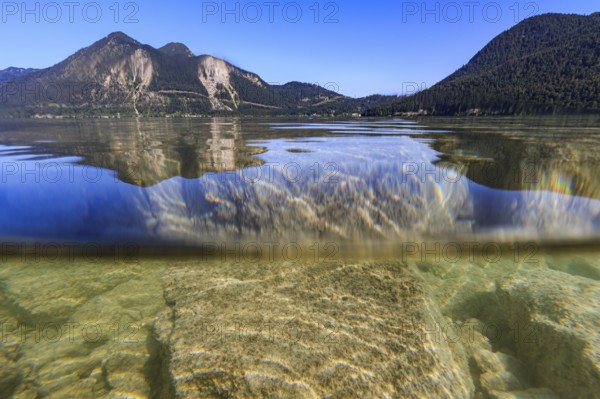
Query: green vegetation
{"x": 546, "y": 64}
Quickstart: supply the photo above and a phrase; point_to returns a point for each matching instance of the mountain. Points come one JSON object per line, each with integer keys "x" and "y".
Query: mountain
{"x": 545, "y": 64}
{"x": 12, "y": 73}
{"x": 176, "y": 50}
{"x": 120, "y": 74}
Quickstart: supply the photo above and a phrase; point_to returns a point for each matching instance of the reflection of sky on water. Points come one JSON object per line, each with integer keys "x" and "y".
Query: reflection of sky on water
{"x": 340, "y": 186}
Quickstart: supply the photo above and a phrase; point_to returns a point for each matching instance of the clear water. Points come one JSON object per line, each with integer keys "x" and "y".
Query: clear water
{"x": 299, "y": 258}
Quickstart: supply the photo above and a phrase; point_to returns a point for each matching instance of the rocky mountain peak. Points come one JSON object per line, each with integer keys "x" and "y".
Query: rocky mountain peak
{"x": 177, "y": 50}
{"x": 121, "y": 38}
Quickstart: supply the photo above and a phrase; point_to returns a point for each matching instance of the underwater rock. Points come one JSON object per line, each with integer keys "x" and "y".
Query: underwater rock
{"x": 16, "y": 379}
{"x": 500, "y": 381}
{"x": 537, "y": 393}
{"x": 577, "y": 266}
{"x": 494, "y": 363}
{"x": 10, "y": 376}
{"x": 560, "y": 313}
{"x": 491, "y": 371}
{"x": 300, "y": 331}
{"x": 81, "y": 329}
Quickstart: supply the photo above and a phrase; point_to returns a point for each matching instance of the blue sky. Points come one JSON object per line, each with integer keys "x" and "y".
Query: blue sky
{"x": 355, "y": 47}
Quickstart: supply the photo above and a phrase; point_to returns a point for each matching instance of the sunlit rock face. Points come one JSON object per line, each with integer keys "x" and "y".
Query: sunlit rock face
{"x": 228, "y": 86}
{"x": 305, "y": 331}
{"x": 137, "y": 68}
{"x": 214, "y": 76}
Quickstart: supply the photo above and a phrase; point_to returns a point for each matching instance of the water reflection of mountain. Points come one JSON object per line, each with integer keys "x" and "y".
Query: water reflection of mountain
{"x": 141, "y": 152}
{"x": 526, "y": 154}
{"x": 352, "y": 181}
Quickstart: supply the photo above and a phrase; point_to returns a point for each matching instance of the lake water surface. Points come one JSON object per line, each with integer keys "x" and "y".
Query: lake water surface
{"x": 429, "y": 258}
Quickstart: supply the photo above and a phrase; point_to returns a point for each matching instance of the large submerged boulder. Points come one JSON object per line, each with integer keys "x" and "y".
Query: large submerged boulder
{"x": 302, "y": 331}
{"x": 562, "y": 345}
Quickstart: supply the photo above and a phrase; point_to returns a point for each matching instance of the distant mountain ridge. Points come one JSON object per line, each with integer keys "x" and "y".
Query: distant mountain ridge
{"x": 120, "y": 74}
{"x": 545, "y": 64}
{"x": 14, "y": 72}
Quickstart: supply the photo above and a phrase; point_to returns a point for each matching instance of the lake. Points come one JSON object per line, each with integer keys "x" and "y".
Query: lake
{"x": 225, "y": 257}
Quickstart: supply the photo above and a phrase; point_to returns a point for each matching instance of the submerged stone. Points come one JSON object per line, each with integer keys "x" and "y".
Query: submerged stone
{"x": 537, "y": 393}
{"x": 296, "y": 331}
{"x": 10, "y": 376}
{"x": 562, "y": 345}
